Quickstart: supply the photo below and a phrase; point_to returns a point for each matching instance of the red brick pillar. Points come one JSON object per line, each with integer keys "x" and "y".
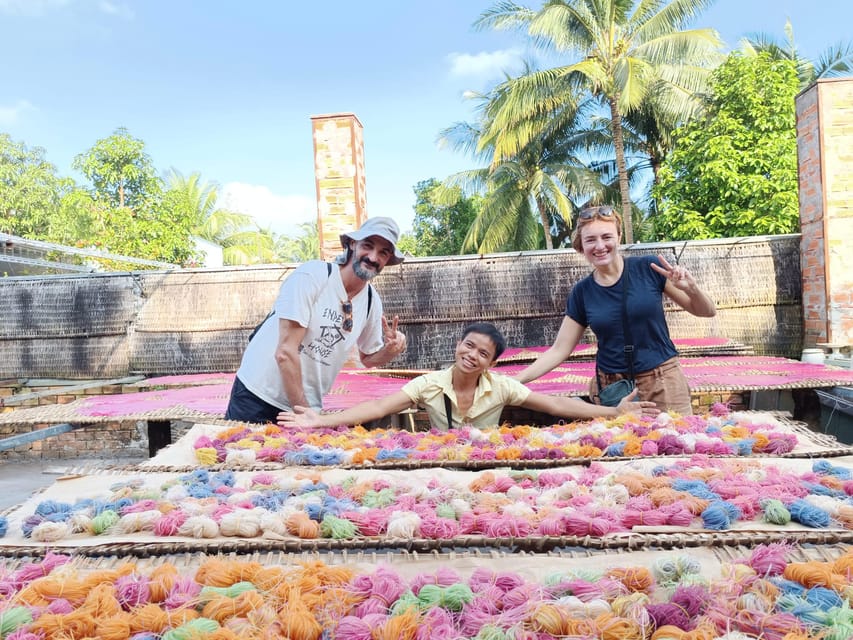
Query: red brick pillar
{"x": 339, "y": 177}
{"x": 825, "y": 157}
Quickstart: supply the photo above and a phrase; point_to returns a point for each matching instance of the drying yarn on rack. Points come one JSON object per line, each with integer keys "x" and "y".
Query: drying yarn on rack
{"x": 719, "y": 433}
{"x": 761, "y": 596}
{"x": 599, "y": 500}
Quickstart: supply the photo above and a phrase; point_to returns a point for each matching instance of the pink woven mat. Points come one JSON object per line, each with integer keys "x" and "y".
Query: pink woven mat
{"x": 733, "y": 373}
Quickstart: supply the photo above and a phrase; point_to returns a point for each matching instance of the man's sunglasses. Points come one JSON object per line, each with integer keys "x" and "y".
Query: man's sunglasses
{"x": 346, "y": 308}
{"x": 604, "y": 211}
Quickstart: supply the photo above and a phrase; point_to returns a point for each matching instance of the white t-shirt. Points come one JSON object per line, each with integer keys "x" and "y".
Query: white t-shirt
{"x": 312, "y": 297}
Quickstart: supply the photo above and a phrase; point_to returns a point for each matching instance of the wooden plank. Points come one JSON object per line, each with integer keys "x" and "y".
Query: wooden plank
{"x": 33, "y": 436}
{"x": 23, "y": 397}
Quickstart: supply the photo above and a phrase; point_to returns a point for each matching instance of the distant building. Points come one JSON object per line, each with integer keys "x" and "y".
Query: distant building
{"x": 210, "y": 251}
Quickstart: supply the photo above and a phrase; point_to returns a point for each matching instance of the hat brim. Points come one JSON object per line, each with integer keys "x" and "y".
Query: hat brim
{"x": 361, "y": 234}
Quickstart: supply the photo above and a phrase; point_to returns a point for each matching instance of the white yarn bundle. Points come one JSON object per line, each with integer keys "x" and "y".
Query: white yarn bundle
{"x": 242, "y": 523}
{"x": 199, "y": 527}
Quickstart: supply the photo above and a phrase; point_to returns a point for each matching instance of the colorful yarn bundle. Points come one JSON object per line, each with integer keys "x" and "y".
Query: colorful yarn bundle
{"x": 716, "y": 434}
{"x": 761, "y": 596}
{"x": 599, "y": 500}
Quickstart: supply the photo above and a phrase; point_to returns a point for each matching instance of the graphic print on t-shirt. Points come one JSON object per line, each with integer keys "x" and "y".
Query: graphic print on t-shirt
{"x": 322, "y": 346}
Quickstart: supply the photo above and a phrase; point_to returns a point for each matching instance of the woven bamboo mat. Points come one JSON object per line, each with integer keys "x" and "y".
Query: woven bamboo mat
{"x": 180, "y": 456}
{"x": 144, "y": 543}
{"x": 464, "y": 561}
{"x": 533, "y": 545}
{"x": 208, "y": 402}
{"x": 711, "y": 346}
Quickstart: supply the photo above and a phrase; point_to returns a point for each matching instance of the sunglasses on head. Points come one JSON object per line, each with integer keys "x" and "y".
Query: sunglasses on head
{"x": 604, "y": 211}
{"x": 346, "y": 309}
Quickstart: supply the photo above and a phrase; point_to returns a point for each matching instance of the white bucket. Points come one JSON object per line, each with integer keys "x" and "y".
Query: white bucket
{"x": 813, "y": 356}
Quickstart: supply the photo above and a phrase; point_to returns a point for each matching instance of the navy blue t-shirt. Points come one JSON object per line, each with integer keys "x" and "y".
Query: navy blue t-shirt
{"x": 600, "y": 308}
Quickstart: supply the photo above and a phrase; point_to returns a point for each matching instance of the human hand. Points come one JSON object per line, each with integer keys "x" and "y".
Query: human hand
{"x": 630, "y": 404}
{"x": 299, "y": 417}
{"x": 395, "y": 341}
{"x": 680, "y": 277}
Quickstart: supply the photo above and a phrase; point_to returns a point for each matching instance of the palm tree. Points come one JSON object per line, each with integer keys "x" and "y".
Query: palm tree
{"x": 837, "y": 60}
{"x": 535, "y": 188}
{"x": 241, "y": 240}
{"x": 625, "y": 50}
{"x": 302, "y": 248}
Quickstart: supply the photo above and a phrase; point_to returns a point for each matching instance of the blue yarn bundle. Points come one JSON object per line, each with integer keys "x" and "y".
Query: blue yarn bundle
{"x": 808, "y": 514}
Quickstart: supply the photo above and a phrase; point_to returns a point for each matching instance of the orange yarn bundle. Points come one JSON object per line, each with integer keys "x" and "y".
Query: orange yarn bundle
{"x": 815, "y": 574}
{"x": 224, "y": 573}
{"x": 160, "y": 582}
{"x": 268, "y": 578}
{"x": 551, "y": 619}
{"x": 77, "y": 624}
{"x": 636, "y": 579}
{"x": 115, "y": 627}
{"x": 401, "y": 627}
{"x": 150, "y": 617}
{"x": 40, "y": 592}
{"x": 301, "y": 525}
{"x": 844, "y": 564}
{"x": 296, "y": 620}
{"x": 482, "y": 481}
{"x": 612, "y": 628}
{"x": 101, "y": 602}
{"x": 670, "y": 632}
{"x": 509, "y": 453}
{"x": 223, "y": 607}
{"x": 367, "y": 454}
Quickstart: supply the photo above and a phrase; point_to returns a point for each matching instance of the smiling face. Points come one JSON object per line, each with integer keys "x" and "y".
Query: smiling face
{"x": 475, "y": 353}
{"x": 370, "y": 256}
{"x": 600, "y": 242}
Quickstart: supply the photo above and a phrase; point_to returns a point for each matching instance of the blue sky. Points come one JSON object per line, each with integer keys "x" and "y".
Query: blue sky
{"x": 227, "y": 87}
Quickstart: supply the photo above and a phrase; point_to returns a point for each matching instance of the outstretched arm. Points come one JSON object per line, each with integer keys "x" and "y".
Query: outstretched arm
{"x": 577, "y": 408}
{"x": 567, "y": 339}
{"x": 682, "y": 289}
{"x": 395, "y": 344}
{"x": 359, "y": 414}
{"x": 290, "y": 335}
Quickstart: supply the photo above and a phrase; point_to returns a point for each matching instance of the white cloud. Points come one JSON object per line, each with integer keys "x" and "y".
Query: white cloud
{"x": 282, "y": 214}
{"x": 11, "y": 115}
{"x": 30, "y": 7}
{"x": 486, "y": 64}
{"x": 38, "y": 8}
{"x": 116, "y": 9}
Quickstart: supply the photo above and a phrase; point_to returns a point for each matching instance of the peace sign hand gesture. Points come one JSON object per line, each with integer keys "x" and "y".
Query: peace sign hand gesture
{"x": 678, "y": 275}
{"x": 395, "y": 341}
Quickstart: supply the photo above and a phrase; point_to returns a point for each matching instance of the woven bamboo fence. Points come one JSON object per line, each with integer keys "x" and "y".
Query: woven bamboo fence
{"x": 196, "y": 321}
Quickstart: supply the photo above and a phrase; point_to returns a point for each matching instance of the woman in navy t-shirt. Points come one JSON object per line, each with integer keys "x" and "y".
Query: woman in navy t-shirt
{"x": 596, "y": 302}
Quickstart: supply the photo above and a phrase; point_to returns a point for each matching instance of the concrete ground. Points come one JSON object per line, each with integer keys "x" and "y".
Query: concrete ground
{"x": 19, "y": 480}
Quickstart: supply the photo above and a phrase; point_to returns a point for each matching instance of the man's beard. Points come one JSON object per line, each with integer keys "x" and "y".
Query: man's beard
{"x": 365, "y": 274}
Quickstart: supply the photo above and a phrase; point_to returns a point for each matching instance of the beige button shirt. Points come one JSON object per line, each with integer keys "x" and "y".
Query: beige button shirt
{"x": 494, "y": 392}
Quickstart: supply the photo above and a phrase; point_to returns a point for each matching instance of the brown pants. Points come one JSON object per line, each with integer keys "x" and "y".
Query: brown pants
{"x": 665, "y": 385}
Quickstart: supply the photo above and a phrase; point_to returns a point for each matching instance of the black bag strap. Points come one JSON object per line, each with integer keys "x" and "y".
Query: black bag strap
{"x": 448, "y": 411}
{"x": 626, "y": 328}
{"x": 328, "y": 275}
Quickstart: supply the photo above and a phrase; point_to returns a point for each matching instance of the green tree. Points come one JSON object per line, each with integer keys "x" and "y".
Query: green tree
{"x": 120, "y": 171}
{"x": 235, "y": 232}
{"x": 837, "y": 60}
{"x": 30, "y": 190}
{"x": 626, "y": 49}
{"x": 441, "y": 223}
{"x": 529, "y": 194}
{"x": 734, "y": 172}
{"x": 130, "y": 213}
{"x": 302, "y": 248}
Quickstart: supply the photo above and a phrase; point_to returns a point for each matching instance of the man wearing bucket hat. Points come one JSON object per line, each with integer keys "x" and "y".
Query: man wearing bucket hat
{"x": 322, "y": 311}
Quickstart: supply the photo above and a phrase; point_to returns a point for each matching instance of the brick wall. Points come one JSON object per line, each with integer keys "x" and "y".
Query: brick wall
{"x": 113, "y": 440}
{"x": 825, "y": 156}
